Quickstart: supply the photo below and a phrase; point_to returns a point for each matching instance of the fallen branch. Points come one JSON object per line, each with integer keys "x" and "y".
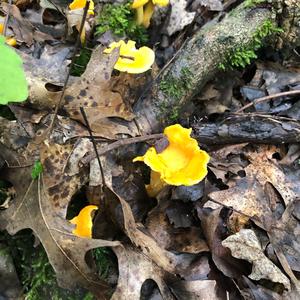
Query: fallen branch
{"x": 195, "y": 64}
{"x": 248, "y": 128}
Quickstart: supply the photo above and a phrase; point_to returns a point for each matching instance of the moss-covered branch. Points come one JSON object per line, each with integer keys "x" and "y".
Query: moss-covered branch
{"x": 197, "y": 62}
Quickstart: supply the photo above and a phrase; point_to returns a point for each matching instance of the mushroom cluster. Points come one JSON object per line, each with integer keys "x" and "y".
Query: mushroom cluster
{"x": 132, "y": 60}
{"x": 145, "y": 9}
{"x": 182, "y": 162}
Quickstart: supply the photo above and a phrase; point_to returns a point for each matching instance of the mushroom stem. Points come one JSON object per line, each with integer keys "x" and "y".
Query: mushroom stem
{"x": 139, "y": 15}
{"x": 149, "y": 10}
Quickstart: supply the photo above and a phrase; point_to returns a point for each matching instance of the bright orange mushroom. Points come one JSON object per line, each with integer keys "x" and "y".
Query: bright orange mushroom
{"x": 182, "y": 162}
{"x": 84, "y": 222}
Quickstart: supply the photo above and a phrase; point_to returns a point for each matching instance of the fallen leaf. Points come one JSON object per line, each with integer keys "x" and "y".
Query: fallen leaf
{"x": 46, "y": 75}
{"x": 195, "y": 290}
{"x": 245, "y": 245}
{"x": 134, "y": 269}
{"x": 215, "y": 231}
{"x": 22, "y": 28}
{"x": 138, "y": 235}
{"x": 33, "y": 209}
{"x": 215, "y": 5}
{"x": 92, "y": 92}
{"x": 179, "y": 17}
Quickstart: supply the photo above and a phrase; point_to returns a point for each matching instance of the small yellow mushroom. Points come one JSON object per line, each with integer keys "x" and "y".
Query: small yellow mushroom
{"x": 132, "y": 60}
{"x": 145, "y": 9}
{"x": 8, "y": 40}
{"x": 182, "y": 162}
{"x": 84, "y": 222}
{"x": 78, "y": 4}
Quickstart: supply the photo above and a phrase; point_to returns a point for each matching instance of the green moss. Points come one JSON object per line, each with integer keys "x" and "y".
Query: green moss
{"x": 174, "y": 88}
{"x": 242, "y": 56}
{"x": 34, "y": 270}
{"x": 81, "y": 62}
{"x": 6, "y": 113}
{"x": 121, "y": 21}
{"x": 253, "y": 3}
{"x": 36, "y": 170}
{"x": 103, "y": 260}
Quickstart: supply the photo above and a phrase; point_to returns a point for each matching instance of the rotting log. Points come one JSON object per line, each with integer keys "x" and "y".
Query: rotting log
{"x": 198, "y": 60}
{"x": 250, "y": 128}
{"x": 195, "y": 64}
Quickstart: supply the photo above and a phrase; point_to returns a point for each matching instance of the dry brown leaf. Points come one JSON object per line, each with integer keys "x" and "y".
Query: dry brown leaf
{"x": 245, "y": 245}
{"x": 179, "y": 17}
{"x": 249, "y": 195}
{"x": 195, "y": 290}
{"x": 134, "y": 269}
{"x": 188, "y": 240}
{"x": 33, "y": 209}
{"x": 139, "y": 237}
{"x": 23, "y": 29}
{"x": 266, "y": 169}
{"x": 92, "y": 92}
{"x": 215, "y": 231}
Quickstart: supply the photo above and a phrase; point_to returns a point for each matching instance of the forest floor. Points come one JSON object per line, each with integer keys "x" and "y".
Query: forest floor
{"x": 214, "y": 215}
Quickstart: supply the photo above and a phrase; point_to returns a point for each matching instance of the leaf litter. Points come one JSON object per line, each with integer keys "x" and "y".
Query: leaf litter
{"x": 236, "y": 233}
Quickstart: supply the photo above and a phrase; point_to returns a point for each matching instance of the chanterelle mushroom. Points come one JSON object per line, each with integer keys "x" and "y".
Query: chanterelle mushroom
{"x": 182, "y": 162}
{"x": 84, "y": 221}
{"x": 132, "y": 60}
{"x": 78, "y": 4}
{"x": 145, "y": 10}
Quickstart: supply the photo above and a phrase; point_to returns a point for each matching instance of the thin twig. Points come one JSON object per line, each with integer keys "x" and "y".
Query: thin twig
{"x": 120, "y": 143}
{"x": 7, "y": 18}
{"x": 267, "y": 98}
{"x": 93, "y": 142}
{"x": 70, "y": 67}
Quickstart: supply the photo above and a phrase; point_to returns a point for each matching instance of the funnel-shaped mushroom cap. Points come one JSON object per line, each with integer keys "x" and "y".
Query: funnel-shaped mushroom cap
{"x": 84, "y": 222}
{"x": 181, "y": 162}
{"x": 139, "y": 3}
{"x": 132, "y": 60}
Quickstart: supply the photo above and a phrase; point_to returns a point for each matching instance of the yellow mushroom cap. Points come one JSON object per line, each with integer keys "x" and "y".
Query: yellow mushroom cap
{"x": 139, "y": 3}
{"x": 84, "y": 222}
{"x": 181, "y": 162}
{"x": 132, "y": 60}
{"x": 77, "y": 4}
{"x": 160, "y": 2}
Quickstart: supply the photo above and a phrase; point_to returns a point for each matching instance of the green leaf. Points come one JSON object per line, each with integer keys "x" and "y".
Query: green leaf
{"x": 13, "y": 84}
{"x": 36, "y": 170}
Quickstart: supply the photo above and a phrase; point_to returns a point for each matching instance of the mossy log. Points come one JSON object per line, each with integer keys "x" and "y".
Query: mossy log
{"x": 200, "y": 57}
{"x": 196, "y": 63}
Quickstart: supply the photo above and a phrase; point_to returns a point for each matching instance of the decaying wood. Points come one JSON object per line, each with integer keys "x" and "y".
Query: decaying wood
{"x": 196, "y": 63}
{"x": 248, "y": 128}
